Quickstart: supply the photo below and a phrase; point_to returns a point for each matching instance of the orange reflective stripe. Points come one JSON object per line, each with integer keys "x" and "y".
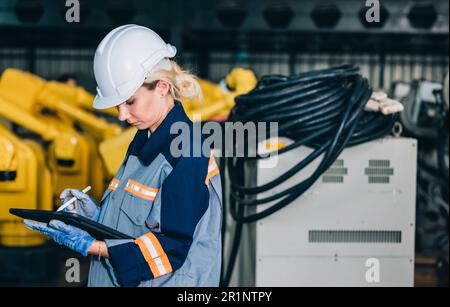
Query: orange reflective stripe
{"x": 154, "y": 254}
{"x": 211, "y": 174}
{"x": 148, "y": 197}
{"x": 114, "y": 184}
{"x": 147, "y": 256}
{"x": 211, "y": 160}
{"x": 213, "y": 169}
{"x": 144, "y": 187}
{"x": 162, "y": 255}
{"x": 141, "y": 190}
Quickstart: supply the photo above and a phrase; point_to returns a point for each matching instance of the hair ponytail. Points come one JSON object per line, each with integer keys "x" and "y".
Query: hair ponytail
{"x": 183, "y": 84}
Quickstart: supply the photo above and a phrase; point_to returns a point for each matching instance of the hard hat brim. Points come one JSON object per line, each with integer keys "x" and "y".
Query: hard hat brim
{"x": 109, "y": 102}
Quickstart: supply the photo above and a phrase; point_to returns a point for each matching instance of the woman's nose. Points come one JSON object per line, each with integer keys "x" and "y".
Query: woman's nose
{"x": 123, "y": 113}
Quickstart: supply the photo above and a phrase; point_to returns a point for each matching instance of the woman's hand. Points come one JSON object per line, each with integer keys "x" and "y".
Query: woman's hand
{"x": 84, "y": 205}
{"x": 69, "y": 236}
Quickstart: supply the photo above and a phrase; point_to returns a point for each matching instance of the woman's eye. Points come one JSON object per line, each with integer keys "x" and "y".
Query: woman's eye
{"x": 130, "y": 102}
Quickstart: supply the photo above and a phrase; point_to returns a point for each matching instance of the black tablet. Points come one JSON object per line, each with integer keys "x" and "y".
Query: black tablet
{"x": 96, "y": 230}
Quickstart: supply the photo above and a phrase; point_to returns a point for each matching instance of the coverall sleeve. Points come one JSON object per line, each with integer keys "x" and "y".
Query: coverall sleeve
{"x": 184, "y": 200}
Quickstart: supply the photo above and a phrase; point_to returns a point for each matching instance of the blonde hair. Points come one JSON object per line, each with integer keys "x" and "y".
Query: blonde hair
{"x": 183, "y": 84}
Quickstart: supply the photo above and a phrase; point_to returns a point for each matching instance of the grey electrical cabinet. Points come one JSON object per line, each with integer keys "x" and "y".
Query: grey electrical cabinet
{"x": 354, "y": 227}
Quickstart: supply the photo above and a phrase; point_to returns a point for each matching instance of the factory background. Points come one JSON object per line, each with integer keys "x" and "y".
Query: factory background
{"x": 405, "y": 54}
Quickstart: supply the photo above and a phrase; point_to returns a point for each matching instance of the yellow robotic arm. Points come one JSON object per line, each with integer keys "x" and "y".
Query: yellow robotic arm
{"x": 217, "y": 100}
{"x": 77, "y": 96}
{"x": 30, "y": 93}
{"x": 25, "y": 119}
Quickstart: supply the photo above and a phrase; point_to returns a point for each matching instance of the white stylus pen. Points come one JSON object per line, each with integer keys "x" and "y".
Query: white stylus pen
{"x": 70, "y": 201}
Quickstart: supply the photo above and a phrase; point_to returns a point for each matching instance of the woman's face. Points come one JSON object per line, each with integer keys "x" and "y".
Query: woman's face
{"x": 146, "y": 108}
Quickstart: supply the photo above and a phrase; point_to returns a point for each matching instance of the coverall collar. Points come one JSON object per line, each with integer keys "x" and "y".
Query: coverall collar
{"x": 146, "y": 149}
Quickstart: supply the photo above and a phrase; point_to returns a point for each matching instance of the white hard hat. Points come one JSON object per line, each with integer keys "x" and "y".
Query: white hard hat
{"x": 122, "y": 61}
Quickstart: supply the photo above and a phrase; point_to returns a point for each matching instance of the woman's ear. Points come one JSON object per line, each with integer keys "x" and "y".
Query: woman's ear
{"x": 163, "y": 87}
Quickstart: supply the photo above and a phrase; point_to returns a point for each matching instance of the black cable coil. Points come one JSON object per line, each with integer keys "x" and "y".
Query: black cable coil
{"x": 320, "y": 109}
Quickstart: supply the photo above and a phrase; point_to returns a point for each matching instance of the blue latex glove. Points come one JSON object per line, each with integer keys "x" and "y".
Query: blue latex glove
{"x": 84, "y": 205}
{"x": 63, "y": 234}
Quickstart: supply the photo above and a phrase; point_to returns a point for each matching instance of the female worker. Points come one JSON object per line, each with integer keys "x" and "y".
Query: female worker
{"x": 171, "y": 204}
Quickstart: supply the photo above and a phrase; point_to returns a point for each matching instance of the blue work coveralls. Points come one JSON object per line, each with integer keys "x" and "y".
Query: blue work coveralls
{"x": 172, "y": 206}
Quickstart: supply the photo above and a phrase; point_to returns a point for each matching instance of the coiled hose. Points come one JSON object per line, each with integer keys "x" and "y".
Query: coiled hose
{"x": 320, "y": 109}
